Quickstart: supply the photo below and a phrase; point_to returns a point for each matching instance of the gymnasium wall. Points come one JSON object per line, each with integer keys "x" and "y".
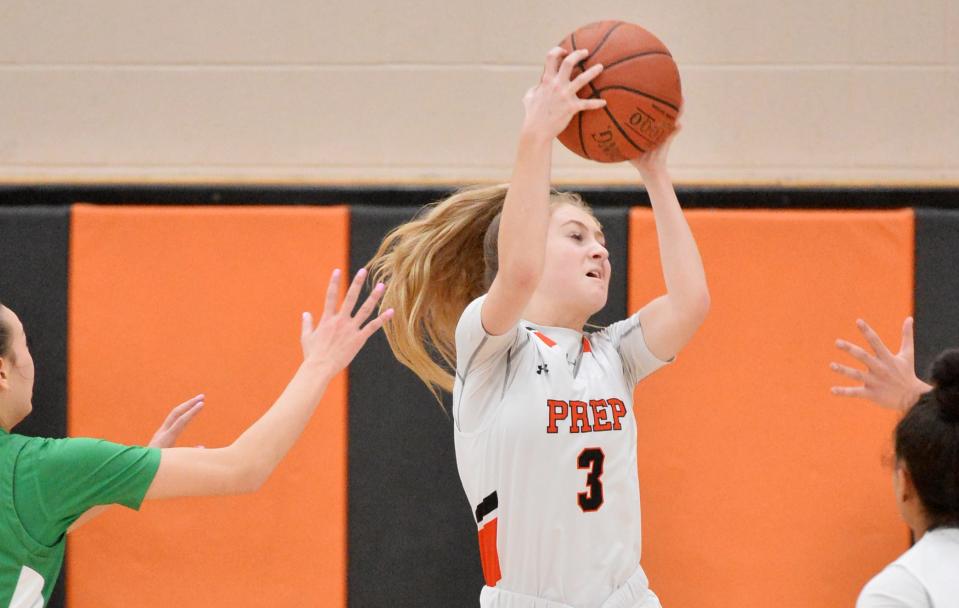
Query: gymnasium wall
{"x": 755, "y": 480}
{"x": 818, "y": 91}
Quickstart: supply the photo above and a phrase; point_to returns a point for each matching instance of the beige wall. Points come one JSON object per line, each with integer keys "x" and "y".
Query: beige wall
{"x": 819, "y": 91}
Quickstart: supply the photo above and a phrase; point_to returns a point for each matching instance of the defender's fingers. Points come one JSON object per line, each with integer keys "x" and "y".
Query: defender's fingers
{"x": 849, "y": 372}
{"x": 371, "y": 328}
{"x": 180, "y": 409}
{"x": 874, "y": 340}
{"x": 861, "y": 355}
{"x": 332, "y": 294}
{"x": 849, "y": 391}
{"x": 370, "y": 304}
{"x": 306, "y": 325}
{"x": 353, "y": 292}
{"x": 907, "y": 346}
{"x": 185, "y": 419}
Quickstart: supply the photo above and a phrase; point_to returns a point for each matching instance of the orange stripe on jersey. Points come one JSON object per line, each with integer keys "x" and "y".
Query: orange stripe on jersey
{"x": 544, "y": 338}
{"x": 489, "y": 556}
{"x": 586, "y": 347}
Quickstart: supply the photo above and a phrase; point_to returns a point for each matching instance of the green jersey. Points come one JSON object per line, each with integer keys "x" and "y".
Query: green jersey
{"x": 45, "y": 486}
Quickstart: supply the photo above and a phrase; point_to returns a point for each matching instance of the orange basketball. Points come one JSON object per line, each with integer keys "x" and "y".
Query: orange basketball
{"x": 640, "y": 83}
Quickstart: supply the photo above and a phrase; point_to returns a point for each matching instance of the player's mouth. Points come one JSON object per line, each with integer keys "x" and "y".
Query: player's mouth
{"x": 595, "y": 274}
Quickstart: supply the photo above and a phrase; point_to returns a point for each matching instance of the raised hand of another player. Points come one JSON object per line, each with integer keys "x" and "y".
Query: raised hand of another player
{"x": 888, "y": 380}
{"x": 175, "y": 422}
{"x": 552, "y": 103}
{"x": 340, "y": 334}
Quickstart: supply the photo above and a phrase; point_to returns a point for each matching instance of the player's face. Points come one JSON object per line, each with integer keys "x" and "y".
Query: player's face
{"x": 16, "y": 374}
{"x": 577, "y": 268}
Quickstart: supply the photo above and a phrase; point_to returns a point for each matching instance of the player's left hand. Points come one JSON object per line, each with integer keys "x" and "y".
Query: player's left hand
{"x": 654, "y": 161}
{"x": 888, "y": 380}
{"x": 175, "y": 422}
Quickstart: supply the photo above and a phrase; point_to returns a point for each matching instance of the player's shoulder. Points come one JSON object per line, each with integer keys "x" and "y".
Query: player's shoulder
{"x": 894, "y": 586}
{"x": 610, "y": 335}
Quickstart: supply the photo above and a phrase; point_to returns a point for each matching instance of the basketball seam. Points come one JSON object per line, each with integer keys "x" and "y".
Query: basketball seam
{"x": 604, "y": 39}
{"x": 617, "y": 125}
{"x": 636, "y": 56}
{"x": 620, "y": 87}
{"x": 582, "y": 142}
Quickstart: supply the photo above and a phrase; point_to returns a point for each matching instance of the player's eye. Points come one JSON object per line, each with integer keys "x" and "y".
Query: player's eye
{"x": 576, "y": 235}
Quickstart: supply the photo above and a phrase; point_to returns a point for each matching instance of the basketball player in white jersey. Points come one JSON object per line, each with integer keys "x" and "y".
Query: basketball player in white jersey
{"x": 499, "y": 283}
{"x": 926, "y": 478}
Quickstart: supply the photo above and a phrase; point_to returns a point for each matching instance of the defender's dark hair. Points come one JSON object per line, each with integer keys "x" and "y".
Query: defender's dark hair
{"x": 927, "y": 443}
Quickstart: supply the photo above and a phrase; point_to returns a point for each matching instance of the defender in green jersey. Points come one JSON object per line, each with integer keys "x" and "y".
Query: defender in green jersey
{"x": 49, "y": 486}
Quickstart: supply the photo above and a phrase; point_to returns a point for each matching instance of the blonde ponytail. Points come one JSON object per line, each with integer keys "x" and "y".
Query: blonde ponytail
{"x": 435, "y": 265}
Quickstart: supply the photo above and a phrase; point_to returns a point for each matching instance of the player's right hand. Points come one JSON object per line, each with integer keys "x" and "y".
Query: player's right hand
{"x": 340, "y": 334}
{"x": 552, "y": 103}
{"x": 888, "y": 380}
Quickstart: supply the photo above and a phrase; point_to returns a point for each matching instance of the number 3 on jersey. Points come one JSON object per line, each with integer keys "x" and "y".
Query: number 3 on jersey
{"x": 592, "y": 499}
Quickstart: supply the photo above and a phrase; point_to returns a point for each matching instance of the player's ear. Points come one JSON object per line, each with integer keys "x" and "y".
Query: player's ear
{"x": 904, "y": 486}
{"x": 4, "y": 373}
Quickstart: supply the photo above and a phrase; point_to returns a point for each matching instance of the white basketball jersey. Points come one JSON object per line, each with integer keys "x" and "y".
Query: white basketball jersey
{"x": 925, "y": 575}
{"x": 546, "y": 450}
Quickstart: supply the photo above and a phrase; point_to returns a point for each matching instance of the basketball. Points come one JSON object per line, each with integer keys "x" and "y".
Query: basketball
{"x": 640, "y": 83}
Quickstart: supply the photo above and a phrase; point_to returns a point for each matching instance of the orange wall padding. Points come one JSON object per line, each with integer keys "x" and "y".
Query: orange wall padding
{"x": 166, "y": 303}
{"x": 759, "y": 488}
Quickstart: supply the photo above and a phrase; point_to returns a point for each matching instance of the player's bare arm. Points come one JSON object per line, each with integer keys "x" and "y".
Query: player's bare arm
{"x": 246, "y": 464}
{"x": 522, "y": 233}
{"x": 670, "y": 321}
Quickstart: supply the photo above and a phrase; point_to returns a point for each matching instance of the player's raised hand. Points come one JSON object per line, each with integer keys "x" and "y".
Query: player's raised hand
{"x": 176, "y": 421}
{"x": 551, "y": 104}
{"x": 889, "y": 380}
{"x": 655, "y": 160}
{"x": 340, "y": 334}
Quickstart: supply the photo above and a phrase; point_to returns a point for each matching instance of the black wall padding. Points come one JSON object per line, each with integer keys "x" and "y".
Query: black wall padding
{"x": 616, "y": 229}
{"x": 412, "y": 537}
{"x": 33, "y": 283}
{"x": 937, "y": 285}
{"x": 412, "y": 540}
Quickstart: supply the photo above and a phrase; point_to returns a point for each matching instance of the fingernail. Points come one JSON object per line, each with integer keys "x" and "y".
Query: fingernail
{"x": 336, "y": 272}
{"x": 860, "y": 322}
{"x": 833, "y": 366}
{"x": 361, "y": 271}
{"x": 389, "y": 313}
{"x": 380, "y": 286}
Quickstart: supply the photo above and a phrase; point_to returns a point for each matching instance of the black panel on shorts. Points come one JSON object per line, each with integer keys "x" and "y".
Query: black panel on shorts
{"x": 412, "y": 534}
{"x": 937, "y": 285}
{"x": 33, "y": 283}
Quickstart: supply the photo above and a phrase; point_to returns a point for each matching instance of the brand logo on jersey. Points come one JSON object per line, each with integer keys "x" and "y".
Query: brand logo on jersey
{"x": 595, "y": 416}
{"x": 542, "y": 369}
